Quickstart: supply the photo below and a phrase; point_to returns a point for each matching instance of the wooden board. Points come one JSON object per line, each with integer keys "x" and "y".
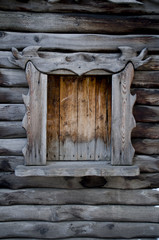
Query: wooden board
{"x": 86, "y": 118}
{"x": 68, "y": 118}
{"x": 123, "y": 122}
{"x": 35, "y": 117}
{"x": 53, "y": 118}
{"x": 75, "y": 23}
{"x": 103, "y": 118}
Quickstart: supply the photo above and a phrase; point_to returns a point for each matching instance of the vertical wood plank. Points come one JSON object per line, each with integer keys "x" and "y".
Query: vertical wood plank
{"x": 53, "y": 118}
{"x": 68, "y": 118}
{"x": 36, "y": 117}
{"x": 103, "y": 118}
{"x": 123, "y": 121}
{"x": 86, "y": 118}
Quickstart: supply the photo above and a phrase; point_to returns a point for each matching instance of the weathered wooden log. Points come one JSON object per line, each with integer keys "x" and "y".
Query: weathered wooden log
{"x": 82, "y": 196}
{"x": 12, "y": 146}
{"x": 81, "y": 229}
{"x": 10, "y": 181}
{"x": 12, "y": 95}
{"x": 146, "y": 96}
{"x": 113, "y": 7}
{"x": 146, "y": 146}
{"x": 147, "y": 79}
{"x": 146, "y": 130}
{"x": 12, "y": 130}
{"x": 85, "y": 238}
{"x": 15, "y": 112}
{"x": 146, "y": 163}
{"x": 146, "y": 113}
{"x": 12, "y": 112}
{"x": 9, "y": 163}
{"x": 75, "y": 23}
{"x": 104, "y": 213}
{"x": 77, "y": 42}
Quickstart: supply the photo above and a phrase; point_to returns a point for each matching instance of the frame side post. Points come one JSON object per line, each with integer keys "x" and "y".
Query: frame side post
{"x": 123, "y": 122}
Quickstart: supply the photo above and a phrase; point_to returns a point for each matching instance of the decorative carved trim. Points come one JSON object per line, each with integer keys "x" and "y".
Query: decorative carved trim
{"x": 122, "y": 70}
{"x": 79, "y": 63}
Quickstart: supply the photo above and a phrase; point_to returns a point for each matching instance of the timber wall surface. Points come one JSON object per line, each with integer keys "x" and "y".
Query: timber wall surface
{"x": 88, "y": 207}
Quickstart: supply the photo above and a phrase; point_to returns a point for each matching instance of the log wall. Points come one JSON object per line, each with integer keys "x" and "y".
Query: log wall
{"x": 89, "y": 208}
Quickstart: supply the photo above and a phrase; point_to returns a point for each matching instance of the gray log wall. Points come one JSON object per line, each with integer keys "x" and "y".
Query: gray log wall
{"x": 87, "y": 207}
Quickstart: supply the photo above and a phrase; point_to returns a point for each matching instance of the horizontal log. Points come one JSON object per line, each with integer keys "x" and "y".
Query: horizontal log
{"x": 94, "y": 6}
{"x": 146, "y": 163}
{"x": 87, "y": 238}
{"x": 12, "y": 95}
{"x": 146, "y": 130}
{"x": 75, "y": 23}
{"x": 146, "y": 113}
{"x": 15, "y": 112}
{"x": 148, "y": 79}
{"x": 12, "y": 112}
{"x": 77, "y": 42}
{"x": 81, "y": 229}
{"x": 146, "y": 96}
{"x": 12, "y": 146}
{"x": 9, "y": 163}
{"x": 83, "y": 196}
{"x": 104, "y": 213}
{"x": 12, "y": 130}
{"x": 146, "y": 146}
{"x": 10, "y": 181}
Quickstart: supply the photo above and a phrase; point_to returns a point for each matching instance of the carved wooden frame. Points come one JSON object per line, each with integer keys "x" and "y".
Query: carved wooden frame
{"x": 38, "y": 67}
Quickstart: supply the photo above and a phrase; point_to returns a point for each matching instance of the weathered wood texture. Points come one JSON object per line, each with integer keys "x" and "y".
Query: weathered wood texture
{"x": 12, "y": 130}
{"x": 142, "y": 79}
{"x": 123, "y": 121}
{"x": 75, "y": 23}
{"x": 12, "y": 95}
{"x": 77, "y": 42}
{"x": 147, "y": 180}
{"x": 146, "y": 96}
{"x": 82, "y": 196}
{"x": 146, "y": 146}
{"x": 146, "y": 163}
{"x": 12, "y": 112}
{"x": 146, "y": 130}
{"x": 78, "y": 229}
{"x": 95, "y": 6}
{"x": 12, "y": 147}
{"x": 79, "y": 118}
{"x": 105, "y": 213}
{"x": 35, "y": 118}
{"x": 143, "y": 113}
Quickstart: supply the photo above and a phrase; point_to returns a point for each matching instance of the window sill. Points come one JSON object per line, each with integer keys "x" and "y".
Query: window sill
{"x": 76, "y": 169}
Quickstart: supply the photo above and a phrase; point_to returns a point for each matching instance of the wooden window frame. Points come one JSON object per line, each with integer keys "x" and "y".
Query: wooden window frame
{"x": 37, "y": 68}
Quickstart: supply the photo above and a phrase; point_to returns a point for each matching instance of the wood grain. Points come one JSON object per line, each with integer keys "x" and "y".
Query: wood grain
{"x": 12, "y": 129}
{"x": 94, "y": 6}
{"x": 77, "y": 229}
{"x": 146, "y": 130}
{"x": 123, "y": 121}
{"x": 146, "y": 96}
{"x": 12, "y": 95}
{"x": 105, "y": 213}
{"x": 12, "y": 112}
{"x": 146, "y": 146}
{"x": 75, "y": 23}
{"x": 143, "y": 113}
{"x": 77, "y": 42}
{"x": 12, "y": 147}
{"x": 68, "y": 118}
{"x": 53, "y": 118}
{"x": 35, "y": 117}
{"x": 83, "y": 196}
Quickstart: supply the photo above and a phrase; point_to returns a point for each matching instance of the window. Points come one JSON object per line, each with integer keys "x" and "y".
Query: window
{"x": 74, "y": 118}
